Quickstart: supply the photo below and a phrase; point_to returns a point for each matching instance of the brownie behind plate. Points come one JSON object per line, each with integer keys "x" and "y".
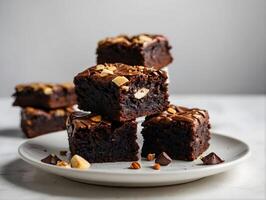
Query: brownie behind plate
{"x": 181, "y": 132}
{"x": 148, "y": 50}
{"x": 121, "y": 92}
{"x": 35, "y": 122}
{"x": 98, "y": 140}
{"x": 45, "y": 95}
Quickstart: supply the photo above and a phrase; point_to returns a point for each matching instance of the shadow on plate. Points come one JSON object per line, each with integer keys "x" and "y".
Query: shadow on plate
{"x": 11, "y": 132}
{"x": 25, "y": 176}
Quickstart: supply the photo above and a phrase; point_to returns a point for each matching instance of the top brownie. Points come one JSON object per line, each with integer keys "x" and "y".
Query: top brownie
{"x": 45, "y": 95}
{"x": 144, "y": 49}
{"x": 121, "y": 92}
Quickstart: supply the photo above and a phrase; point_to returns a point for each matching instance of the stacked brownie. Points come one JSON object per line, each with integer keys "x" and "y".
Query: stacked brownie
{"x": 115, "y": 94}
{"x": 129, "y": 82}
{"x": 45, "y": 106}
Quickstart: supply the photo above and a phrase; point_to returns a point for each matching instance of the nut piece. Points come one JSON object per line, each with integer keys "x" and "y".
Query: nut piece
{"x": 156, "y": 166}
{"x": 19, "y": 87}
{"x": 63, "y": 164}
{"x": 106, "y": 72}
{"x": 126, "y": 88}
{"x": 96, "y": 118}
{"x": 150, "y": 156}
{"x": 79, "y": 162}
{"x": 28, "y": 122}
{"x": 111, "y": 67}
{"x": 144, "y": 38}
{"x": 100, "y": 67}
{"x": 135, "y": 165}
{"x": 59, "y": 112}
{"x": 120, "y": 39}
{"x": 120, "y": 80}
{"x": 141, "y": 93}
{"x": 171, "y": 110}
{"x": 48, "y": 90}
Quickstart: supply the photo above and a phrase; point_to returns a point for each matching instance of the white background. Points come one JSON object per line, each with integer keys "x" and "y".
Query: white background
{"x": 219, "y": 46}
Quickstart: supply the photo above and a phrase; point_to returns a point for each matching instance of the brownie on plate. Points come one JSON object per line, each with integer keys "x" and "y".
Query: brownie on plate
{"x": 121, "y": 92}
{"x": 144, "y": 49}
{"x": 45, "y": 95}
{"x": 98, "y": 140}
{"x": 35, "y": 122}
{"x": 181, "y": 132}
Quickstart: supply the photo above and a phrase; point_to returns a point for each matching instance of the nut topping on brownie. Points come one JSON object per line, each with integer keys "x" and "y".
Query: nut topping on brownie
{"x": 192, "y": 115}
{"x": 131, "y": 41}
{"x": 46, "y": 88}
{"x": 45, "y": 95}
{"x": 183, "y": 133}
{"x": 121, "y": 92}
{"x": 98, "y": 140}
{"x": 149, "y": 50}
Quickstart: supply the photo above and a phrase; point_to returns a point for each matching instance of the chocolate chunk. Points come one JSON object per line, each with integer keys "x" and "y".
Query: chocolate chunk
{"x": 63, "y": 153}
{"x": 51, "y": 159}
{"x": 211, "y": 159}
{"x": 163, "y": 159}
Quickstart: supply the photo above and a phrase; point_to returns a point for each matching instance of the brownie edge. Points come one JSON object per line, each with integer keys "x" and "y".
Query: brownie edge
{"x": 121, "y": 92}
{"x": 149, "y": 50}
{"x": 181, "y": 132}
{"x": 98, "y": 140}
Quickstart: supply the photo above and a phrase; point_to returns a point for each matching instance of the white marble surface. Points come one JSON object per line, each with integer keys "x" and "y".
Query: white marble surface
{"x": 242, "y": 117}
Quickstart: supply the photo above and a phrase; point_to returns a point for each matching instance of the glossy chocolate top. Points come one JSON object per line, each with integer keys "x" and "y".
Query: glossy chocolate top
{"x": 45, "y": 88}
{"x": 84, "y": 120}
{"x": 30, "y": 112}
{"x": 193, "y": 116}
{"x": 120, "y": 73}
{"x": 136, "y": 40}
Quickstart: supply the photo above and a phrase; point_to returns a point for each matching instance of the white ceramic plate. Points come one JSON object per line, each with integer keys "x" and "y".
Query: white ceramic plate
{"x": 231, "y": 150}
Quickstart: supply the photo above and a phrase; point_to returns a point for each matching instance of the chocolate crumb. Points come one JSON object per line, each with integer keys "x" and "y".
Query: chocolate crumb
{"x": 51, "y": 159}
{"x": 212, "y": 159}
{"x": 63, "y": 153}
{"x": 163, "y": 159}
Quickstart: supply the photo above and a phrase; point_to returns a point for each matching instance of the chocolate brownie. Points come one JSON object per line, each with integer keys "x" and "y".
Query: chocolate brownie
{"x": 181, "y": 132}
{"x": 35, "y": 122}
{"x": 45, "y": 95}
{"x": 98, "y": 140}
{"x": 121, "y": 92}
{"x": 144, "y": 49}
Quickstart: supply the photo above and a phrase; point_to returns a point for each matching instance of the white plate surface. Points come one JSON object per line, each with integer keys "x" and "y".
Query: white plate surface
{"x": 233, "y": 151}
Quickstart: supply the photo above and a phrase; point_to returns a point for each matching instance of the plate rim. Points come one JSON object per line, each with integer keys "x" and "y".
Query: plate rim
{"x": 225, "y": 165}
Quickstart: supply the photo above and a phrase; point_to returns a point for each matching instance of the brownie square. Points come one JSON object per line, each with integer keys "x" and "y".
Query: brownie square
{"x": 45, "y": 95}
{"x": 181, "y": 132}
{"x": 121, "y": 92}
{"x": 144, "y": 49}
{"x": 35, "y": 122}
{"x": 98, "y": 140}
